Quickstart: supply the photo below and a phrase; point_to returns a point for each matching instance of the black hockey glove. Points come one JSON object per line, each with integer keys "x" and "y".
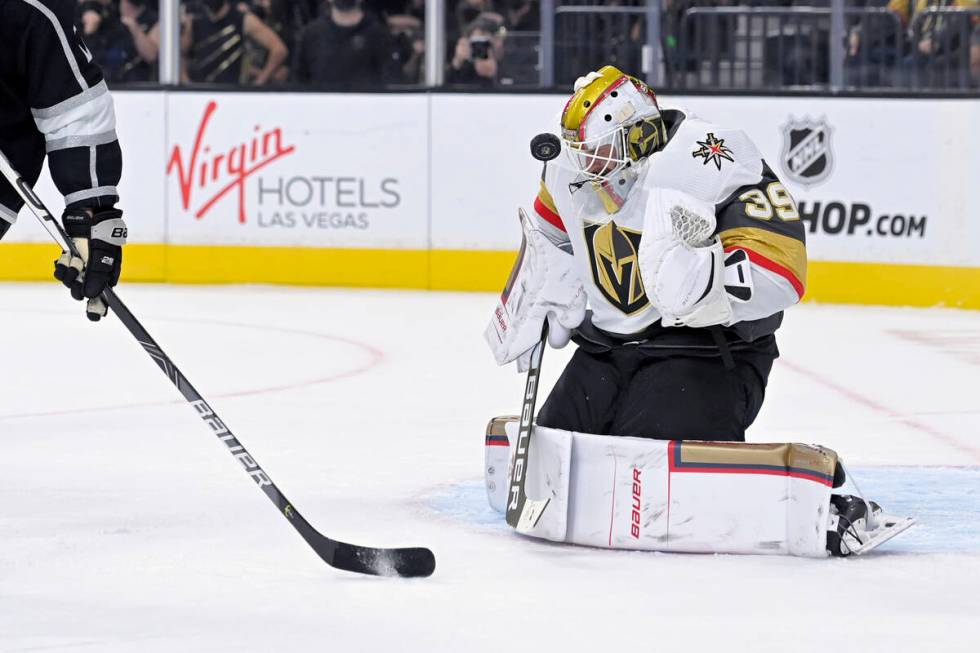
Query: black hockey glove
{"x": 99, "y": 239}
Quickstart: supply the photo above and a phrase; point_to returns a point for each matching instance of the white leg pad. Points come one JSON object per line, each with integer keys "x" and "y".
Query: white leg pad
{"x": 708, "y": 497}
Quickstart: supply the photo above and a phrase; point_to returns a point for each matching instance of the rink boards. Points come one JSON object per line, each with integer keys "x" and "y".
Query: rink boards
{"x": 421, "y": 190}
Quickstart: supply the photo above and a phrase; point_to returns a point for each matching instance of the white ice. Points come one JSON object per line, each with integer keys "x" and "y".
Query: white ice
{"x": 126, "y": 526}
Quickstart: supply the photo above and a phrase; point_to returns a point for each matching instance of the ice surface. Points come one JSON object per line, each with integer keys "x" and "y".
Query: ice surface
{"x": 126, "y": 526}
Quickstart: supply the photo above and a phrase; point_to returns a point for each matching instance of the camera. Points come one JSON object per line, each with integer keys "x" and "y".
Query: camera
{"x": 480, "y": 47}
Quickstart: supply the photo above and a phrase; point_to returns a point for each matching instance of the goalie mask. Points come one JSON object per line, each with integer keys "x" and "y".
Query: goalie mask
{"x": 611, "y": 123}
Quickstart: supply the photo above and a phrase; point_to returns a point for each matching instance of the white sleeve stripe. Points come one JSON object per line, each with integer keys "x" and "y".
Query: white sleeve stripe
{"x": 93, "y": 173}
{"x": 771, "y": 293}
{"x": 74, "y": 101}
{"x": 64, "y": 41}
{"x": 80, "y": 141}
{"x": 8, "y": 214}
{"x": 100, "y": 191}
{"x": 92, "y": 118}
{"x": 777, "y": 279}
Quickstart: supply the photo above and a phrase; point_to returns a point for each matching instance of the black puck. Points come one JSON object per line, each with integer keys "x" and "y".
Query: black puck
{"x": 545, "y": 147}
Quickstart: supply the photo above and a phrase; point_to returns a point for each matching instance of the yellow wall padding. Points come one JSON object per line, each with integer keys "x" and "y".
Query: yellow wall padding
{"x": 831, "y": 282}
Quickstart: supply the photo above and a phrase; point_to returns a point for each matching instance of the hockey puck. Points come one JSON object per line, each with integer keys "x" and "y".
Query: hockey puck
{"x": 545, "y": 147}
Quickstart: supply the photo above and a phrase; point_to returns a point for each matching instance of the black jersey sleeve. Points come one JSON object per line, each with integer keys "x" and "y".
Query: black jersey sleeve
{"x": 71, "y": 106}
{"x": 762, "y": 219}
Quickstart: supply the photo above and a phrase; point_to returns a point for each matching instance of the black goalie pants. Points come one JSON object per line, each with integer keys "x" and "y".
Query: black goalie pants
{"x": 631, "y": 391}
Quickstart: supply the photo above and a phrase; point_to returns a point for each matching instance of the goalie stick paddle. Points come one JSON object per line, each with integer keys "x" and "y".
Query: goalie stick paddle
{"x": 404, "y": 562}
{"x": 522, "y": 512}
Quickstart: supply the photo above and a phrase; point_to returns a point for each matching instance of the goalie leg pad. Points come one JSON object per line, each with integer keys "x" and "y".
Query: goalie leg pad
{"x": 706, "y": 497}
{"x": 496, "y": 466}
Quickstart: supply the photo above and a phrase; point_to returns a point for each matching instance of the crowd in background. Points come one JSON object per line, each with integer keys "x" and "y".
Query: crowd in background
{"x": 352, "y": 44}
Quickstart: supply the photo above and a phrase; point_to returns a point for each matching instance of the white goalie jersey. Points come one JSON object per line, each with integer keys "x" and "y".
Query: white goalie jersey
{"x": 720, "y": 170}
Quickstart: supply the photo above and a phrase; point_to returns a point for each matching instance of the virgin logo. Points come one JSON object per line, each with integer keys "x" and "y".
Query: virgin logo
{"x": 207, "y": 175}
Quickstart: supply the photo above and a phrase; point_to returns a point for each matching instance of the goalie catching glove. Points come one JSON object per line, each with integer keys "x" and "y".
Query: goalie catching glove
{"x": 544, "y": 284}
{"x": 685, "y": 271}
{"x": 99, "y": 239}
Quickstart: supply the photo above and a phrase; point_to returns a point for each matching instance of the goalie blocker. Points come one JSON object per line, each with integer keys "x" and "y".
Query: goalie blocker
{"x": 686, "y": 496}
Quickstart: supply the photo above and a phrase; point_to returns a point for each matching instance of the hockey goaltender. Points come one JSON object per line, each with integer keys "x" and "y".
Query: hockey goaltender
{"x": 685, "y": 248}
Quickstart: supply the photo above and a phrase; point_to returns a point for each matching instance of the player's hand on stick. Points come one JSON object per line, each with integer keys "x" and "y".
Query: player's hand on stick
{"x": 99, "y": 237}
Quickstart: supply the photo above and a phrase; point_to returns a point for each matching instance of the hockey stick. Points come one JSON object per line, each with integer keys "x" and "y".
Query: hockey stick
{"x": 405, "y": 562}
{"x": 522, "y": 512}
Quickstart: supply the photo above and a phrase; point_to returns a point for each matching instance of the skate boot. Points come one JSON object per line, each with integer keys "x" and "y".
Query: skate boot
{"x": 857, "y": 526}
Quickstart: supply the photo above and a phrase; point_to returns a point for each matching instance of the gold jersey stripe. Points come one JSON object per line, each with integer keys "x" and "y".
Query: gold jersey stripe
{"x": 788, "y": 253}
{"x": 545, "y": 196}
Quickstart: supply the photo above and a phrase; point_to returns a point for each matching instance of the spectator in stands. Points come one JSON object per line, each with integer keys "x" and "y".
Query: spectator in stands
{"x": 939, "y": 43}
{"x": 387, "y": 8}
{"x": 975, "y": 56}
{"x": 345, "y": 47}
{"x": 466, "y": 12}
{"x": 476, "y": 60}
{"x": 284, "y": 17}
{"x": 213, "y": 42}
{"x": 140, "y": 19}
{"x": 408, "y": 48}
{"x": 873, "y": 47}
{"x": 107, "y": 39}
{"x": 522, "y": 15}
{"x": 416, "y": 8}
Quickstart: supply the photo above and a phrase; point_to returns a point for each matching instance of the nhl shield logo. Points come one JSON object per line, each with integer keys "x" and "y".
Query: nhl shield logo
{"x": 807, "y": 155}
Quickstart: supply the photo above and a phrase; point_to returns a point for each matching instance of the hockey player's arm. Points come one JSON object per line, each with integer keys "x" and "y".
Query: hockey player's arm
{"x": 543, "y": 284}
{"x": 760, "y": 226}
{"x": 72, "y": 107}
{"x": 743, "y": 259}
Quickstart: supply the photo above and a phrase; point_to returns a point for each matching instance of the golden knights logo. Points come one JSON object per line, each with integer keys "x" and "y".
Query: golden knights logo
{"x": 615, "y": 266}
{"x": 713, "y": 150}
{"x": 807, "y": 157}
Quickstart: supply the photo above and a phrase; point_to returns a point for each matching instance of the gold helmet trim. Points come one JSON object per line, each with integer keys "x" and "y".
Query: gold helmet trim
{"x": 580, "y": 105}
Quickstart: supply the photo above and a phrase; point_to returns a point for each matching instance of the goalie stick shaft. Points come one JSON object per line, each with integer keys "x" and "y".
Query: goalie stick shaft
{"x": 517, "y": 496}
{"x": 407, "y": 562}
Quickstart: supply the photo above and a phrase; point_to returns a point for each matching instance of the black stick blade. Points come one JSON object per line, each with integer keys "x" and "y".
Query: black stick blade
{"x": 406, "y": 563}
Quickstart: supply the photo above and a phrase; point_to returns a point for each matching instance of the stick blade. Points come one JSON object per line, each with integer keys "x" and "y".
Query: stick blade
{"x": 413, "y": 562}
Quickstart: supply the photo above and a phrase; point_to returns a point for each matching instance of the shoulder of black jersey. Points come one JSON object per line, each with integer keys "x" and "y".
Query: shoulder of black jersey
{"x": 763, "y": 220}
{"x": 673, "y": 118}
{"x": 36, "y": 9}
{"x": 739, "y": 209}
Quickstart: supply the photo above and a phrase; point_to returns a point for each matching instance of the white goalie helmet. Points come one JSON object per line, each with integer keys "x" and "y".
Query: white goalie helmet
{"x": 610, "y": 123}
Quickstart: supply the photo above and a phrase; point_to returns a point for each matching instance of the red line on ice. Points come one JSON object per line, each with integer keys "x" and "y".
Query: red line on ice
{"x": 867, "y": 402}
{"x": 375, "y": 357}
